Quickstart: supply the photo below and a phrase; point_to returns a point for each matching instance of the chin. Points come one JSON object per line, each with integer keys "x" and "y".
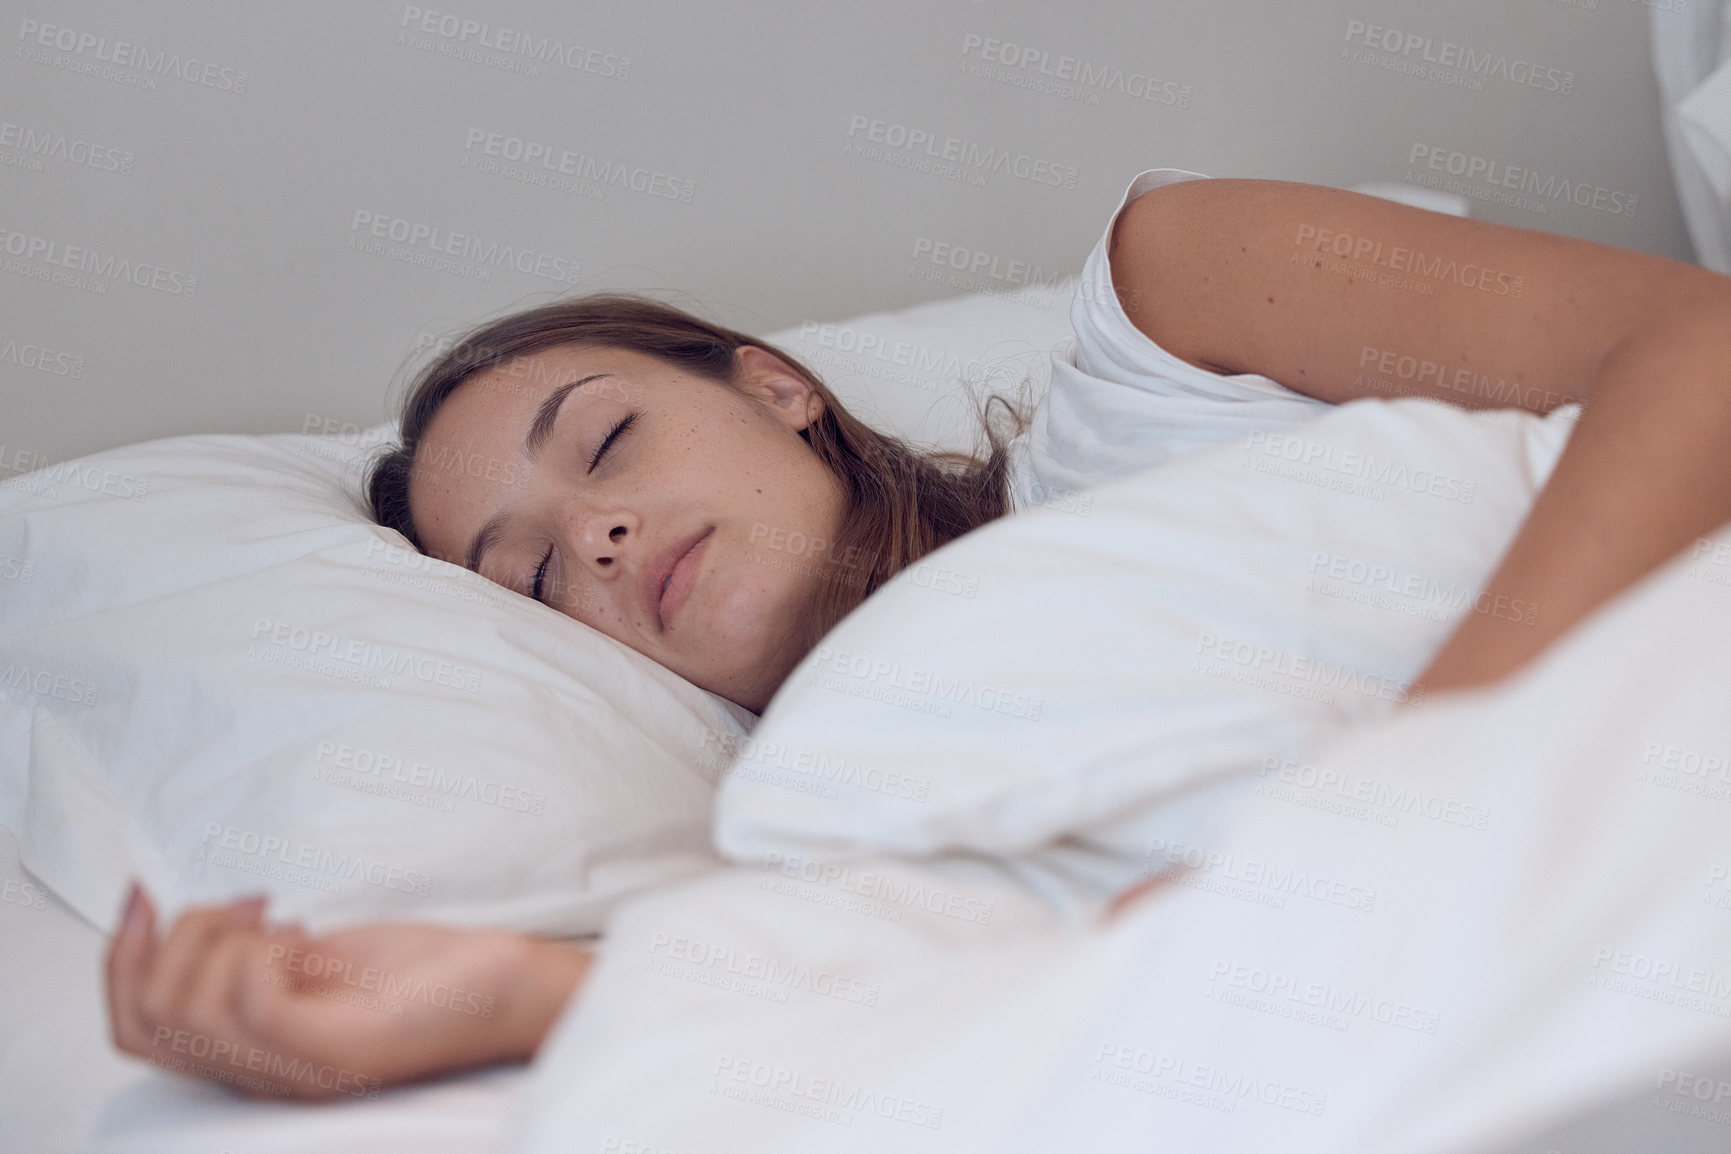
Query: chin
{"x": 758, "y": 632}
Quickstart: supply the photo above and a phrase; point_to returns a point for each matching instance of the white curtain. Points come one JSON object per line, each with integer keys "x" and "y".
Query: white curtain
{"x": 1692, "y": 60}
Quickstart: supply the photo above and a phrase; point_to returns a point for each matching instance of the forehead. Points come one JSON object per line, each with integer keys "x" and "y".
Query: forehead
{"x": 471, "y": 460}
{"x": 515, "y": 388}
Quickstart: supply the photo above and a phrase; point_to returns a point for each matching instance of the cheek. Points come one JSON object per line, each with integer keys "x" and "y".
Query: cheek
{"x": 807, "y": 499}
{"x": 587, "y": 606}
{"x": 748, "y": 595}
{"x": 601, "y": 615}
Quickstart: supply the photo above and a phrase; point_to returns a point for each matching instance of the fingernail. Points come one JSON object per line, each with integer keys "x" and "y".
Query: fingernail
{"x": 129, "y": 914}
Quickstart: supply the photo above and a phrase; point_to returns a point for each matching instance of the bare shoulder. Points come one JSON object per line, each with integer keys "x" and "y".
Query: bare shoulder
{"x": 1174, "y": 239}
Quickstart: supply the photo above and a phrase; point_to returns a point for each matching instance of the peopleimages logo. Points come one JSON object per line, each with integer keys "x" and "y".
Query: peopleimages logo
{"x": 41, "y": 358}
{"x": 895, "y": 891}
{"x": 892, "y": 138}
{"x": 1462, "y": 65}
{"x": 1669, "y": 981}
{"x": 1357, "y": 466}
{"x": 317, "y": 649}
{"x": 1064, "y": 70}
{"x": 1277, "y": 668}
{"x": 1418, "y": 372}
{"x": 40, "y": 143}
{"x": 365, "y": 770}
{"x": 761, "y": 968}
{"x": 554, "y": 160}
{"x": 513, "y": 44}
{"x": 91, "y": 269}
{"x": 424, "y": 243}
{"x": 48, "y": 683}
{"x": 866, "y": 349}
{"x": 47, "y": 480}
{"x": 1398, "y": 798}
{"x": 1335, "y": 575}
{"x": 153, "y": 62}
{"x": 1400, "y": 259}
{"x": 990, "y": 266}
{"x": 250, "y": 851}
{"x": 1261, "y": 879}
{"x": 1497, "y": 175}
{"x": 862, "y": 670}
{"x": 1337, "y": 1004}
{"x": 1167, "y": 1075}
{"x": 799, "y": 1092}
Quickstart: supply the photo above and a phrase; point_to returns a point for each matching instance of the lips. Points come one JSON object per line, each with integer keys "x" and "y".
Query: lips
{"x": 658, "y": 578}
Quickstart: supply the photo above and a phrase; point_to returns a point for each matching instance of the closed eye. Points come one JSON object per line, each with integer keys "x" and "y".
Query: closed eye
{"x": 619, "y": 430}
{"x": 540, "y": 572}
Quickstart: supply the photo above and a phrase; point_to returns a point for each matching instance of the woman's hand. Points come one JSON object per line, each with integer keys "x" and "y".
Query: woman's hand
{"x": 274, "y": 1011}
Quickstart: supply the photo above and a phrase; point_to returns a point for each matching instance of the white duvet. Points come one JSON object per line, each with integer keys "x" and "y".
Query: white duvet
{"x": 1453, "y": 926}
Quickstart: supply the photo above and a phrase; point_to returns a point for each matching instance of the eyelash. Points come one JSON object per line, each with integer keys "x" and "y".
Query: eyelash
{"x": 618, "y": 430}
{"x": 540, "y": 572}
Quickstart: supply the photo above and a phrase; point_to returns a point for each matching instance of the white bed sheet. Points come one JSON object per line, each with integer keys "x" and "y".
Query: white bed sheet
{"x": 460, "y": 1115}
{"x": 56, "y": 1066}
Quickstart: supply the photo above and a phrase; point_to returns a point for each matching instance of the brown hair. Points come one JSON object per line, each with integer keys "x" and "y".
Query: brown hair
{"x": 901, "y": 503}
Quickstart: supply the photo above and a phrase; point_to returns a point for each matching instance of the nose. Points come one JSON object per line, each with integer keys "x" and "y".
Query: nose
{"x": 603, "y": 537}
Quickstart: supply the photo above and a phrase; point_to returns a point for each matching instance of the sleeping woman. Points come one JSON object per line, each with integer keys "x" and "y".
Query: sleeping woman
{"x": 633, "y": 450}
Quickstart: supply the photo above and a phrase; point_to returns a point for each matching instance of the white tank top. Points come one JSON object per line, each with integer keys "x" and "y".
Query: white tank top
{"x": 1120, "y": 403}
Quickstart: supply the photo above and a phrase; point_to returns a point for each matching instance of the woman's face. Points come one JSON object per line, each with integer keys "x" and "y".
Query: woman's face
{"x": 637, "y": 498}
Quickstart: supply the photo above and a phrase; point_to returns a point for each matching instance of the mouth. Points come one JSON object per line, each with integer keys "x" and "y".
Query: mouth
{"x": 668, "y": 581}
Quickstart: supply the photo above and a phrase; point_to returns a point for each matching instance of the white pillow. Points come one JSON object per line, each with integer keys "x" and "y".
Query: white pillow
{"x": 233, "y": 681}
{"x": 919, "y": 372}
{"x": 1055, "y": 672}
{"x": 218, "y": 675}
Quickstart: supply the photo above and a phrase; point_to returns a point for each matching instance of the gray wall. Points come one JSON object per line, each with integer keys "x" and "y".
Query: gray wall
{"x": 210, "y": 163}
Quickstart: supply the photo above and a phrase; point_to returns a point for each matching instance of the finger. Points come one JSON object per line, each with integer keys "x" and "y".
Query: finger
{"x": 249, "y": 911}
{"x": 290, "y": 1009}
{"x": 286, "y": 1008}
{"x": 292, "y": 964}
{"x": 235, "y": 972}
{"x": 232, "y": 960}
{"x": 307, "y": 1016}
{"x": 179, "y": 959}
{"x": 131, "y": 956}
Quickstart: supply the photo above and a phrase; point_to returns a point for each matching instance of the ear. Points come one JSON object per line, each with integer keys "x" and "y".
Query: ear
{"x": 760, "y": 374}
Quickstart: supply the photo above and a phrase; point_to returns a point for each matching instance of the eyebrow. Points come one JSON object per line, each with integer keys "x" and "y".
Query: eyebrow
{"x": 542, "y": 426}
{"x": 539, "y": 430}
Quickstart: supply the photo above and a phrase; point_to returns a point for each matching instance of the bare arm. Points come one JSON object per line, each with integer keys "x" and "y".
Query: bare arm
{"x": 1343, "y": 296}
{"x": 273, "y": 1011}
